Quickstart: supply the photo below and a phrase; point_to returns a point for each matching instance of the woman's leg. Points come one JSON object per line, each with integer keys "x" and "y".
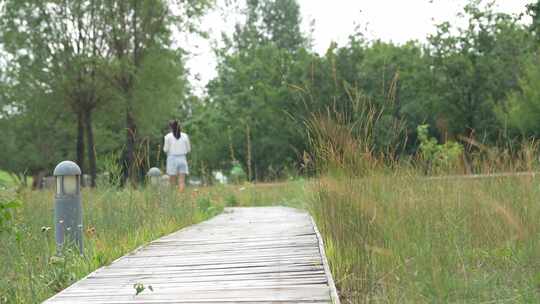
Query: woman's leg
{"x": 181, "y": 182}
{"x": 172, "y": 180}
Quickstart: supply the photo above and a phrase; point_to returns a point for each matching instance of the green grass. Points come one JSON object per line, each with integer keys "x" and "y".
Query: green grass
{"x": 6, "y": 180}
{"x": 405, "y": 239}
{"x": 392, "y": 237}
{"x": 116, "y": 222}
{"x": 290, "y": 194}
{"x": 397, "y": 237}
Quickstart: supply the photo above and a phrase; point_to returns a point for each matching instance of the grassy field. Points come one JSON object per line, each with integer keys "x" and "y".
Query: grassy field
{"x": 405, "y": 239}
{"x": 116, "y": 222}
{"x": 397, "y": 238}
{"x": 5, "y": 180}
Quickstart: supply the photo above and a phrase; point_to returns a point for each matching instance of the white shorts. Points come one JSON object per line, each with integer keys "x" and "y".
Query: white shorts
{"x": 177, "y": 164}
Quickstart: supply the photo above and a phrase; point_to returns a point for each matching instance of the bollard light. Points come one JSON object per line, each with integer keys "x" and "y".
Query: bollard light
{"x": 67, "y": 206}
{"x": 154, "y": 174}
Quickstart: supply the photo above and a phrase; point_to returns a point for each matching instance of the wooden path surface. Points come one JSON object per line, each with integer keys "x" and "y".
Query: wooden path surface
{"x": 245, "y": 255}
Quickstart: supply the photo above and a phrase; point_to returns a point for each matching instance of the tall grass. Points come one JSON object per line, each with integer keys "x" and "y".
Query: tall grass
{"x": 395, "y": 236}
{"x": 115, "y": 222}
{"x": 403, "y": 239}
{"x": 357, "y": 137}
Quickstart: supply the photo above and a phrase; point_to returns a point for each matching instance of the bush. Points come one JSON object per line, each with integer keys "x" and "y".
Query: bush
{"x": 238, "y": 175}
{"x": 438, "y": 156}
{"x": 203, "y": 203}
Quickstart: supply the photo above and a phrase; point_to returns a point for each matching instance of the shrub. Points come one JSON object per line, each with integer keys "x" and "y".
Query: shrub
{"x": 231, "y": 200}
{"x": 438, "y": 156}
{"x": 238, "y": 175}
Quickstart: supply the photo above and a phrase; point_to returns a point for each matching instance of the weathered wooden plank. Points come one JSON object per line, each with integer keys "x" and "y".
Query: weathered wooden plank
{"x": 244, "y": 252}
{"x": 259, "y": 266}
{"x": 202, "y": 301}
{"x": 313, "y": 293}
{"x": 201, "y": 281}
{"x": 214, "y": 275}
{"x": 245, "y": 255}
{"x": 188, "y": 287}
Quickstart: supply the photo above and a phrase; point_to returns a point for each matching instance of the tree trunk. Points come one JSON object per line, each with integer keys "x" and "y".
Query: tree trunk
{"x": 133, "y": 168}
{"x": 129, "y": 157}
{"x": 37, "y": 181}
{"x": 248, "y": 146}
{"x": 91, "y": 148}
{"x": 80, "y": 141}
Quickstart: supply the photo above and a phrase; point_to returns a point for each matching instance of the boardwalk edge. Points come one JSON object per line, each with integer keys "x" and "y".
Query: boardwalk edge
{"x": 333, "y": 291}
{"x": 142, "y": 246}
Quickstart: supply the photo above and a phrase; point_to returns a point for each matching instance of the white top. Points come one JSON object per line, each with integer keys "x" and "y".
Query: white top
{"x": 173, "y": 146}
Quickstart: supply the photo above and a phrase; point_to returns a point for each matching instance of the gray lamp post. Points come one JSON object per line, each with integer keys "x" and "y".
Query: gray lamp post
{"x": 68, "y": 207}
{"x": 154, "y": 174}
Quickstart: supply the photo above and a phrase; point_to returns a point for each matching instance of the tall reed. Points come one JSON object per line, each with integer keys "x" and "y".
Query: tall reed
{"x": 394, "y": 235}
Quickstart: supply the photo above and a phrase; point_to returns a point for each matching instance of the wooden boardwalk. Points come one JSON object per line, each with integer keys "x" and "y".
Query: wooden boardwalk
{"x": 245, "y": 255}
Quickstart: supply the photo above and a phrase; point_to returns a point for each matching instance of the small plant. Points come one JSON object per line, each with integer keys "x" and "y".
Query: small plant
{"x": 139, "y": 288}
{"x": 204, "y": 203}
{"x": 231, "y": 200}
{"x": 112, "y": 169}
{"x": 6, "y": 214}
{"x": 439, "y": 156}
{"x": 62, "y": 269}
{"x": 238, "y": 175}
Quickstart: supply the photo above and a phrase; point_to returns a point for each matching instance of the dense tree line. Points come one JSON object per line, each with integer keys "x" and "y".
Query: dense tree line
{"x": 79, "y": 76}
{"x": 84, "y": 79}
{"x": 473, "y": 84}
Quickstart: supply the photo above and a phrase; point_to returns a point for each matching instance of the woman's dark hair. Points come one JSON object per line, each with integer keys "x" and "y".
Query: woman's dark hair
{"x": 176, "y": 129}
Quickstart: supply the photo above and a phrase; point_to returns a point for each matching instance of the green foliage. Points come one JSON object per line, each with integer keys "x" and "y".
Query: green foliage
{"x": 248, "y": 114}
{"x": 5, "y": 180}
{"x": 439, "y": 156}
{"x": 413, "y": 232}
{"x": 474, "y": 68}
{"x": 111, "y": 171}
{"x": 7, "y": 209}
{"x": 63, "y": 269}
{"x": 271, "y": 83}
{"x": 116, "y": 222}
{"x": 533, "y": 9}
{"x": 522, "y": 110}
{"x": 231, "y": 200}
{"x": 237, "y": 175}
{"x": 451, "y": 241}
{"x": 139, "y": 288}
{"x": 65, "y": 91}
{"x": 160, "y": 90}
{"x": 203, "y": 203}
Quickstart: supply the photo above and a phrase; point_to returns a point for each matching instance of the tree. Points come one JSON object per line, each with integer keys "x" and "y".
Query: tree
{"x": 97, "y": 55}
{"x": 137, "y": 29}
{"x": 252, "y": 95}
{"x": 474, "y": 69}
{"x": 533, "y": 9}
{"x": 523, "y": 107}
{"x": 59, "y": 51}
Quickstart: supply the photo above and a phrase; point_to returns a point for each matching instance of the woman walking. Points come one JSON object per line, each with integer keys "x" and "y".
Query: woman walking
{"x": 177, "y": 146}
